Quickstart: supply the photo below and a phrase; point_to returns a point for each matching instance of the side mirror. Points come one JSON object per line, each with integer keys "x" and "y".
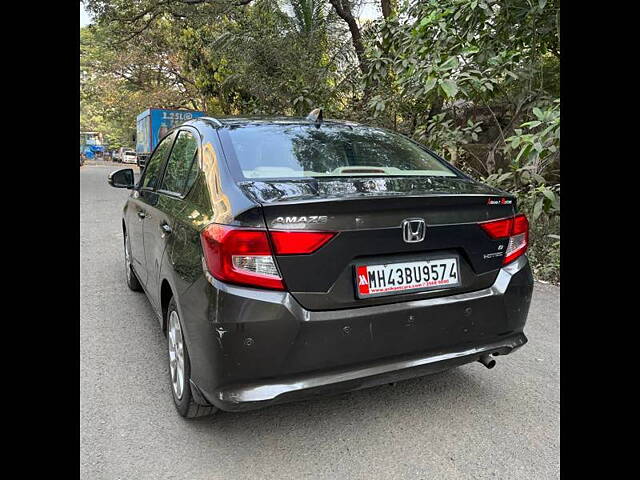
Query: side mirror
{"x": 122, "y": 178}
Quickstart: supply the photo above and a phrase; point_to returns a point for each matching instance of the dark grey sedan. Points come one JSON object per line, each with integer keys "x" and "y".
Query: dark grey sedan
{"x": 291, "y": 257}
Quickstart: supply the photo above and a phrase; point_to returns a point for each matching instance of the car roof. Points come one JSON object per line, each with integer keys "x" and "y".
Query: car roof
{"x": 231, "y": 121}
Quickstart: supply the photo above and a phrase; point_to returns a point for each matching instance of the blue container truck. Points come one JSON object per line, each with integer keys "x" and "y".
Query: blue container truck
{"x": 153, "y": 124}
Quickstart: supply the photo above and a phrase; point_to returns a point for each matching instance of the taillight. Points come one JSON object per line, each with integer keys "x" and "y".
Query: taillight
{"x": 240, "y": 256}
{"x": 498, "y": 228}
{"x": 516, "y": 229}
{"x": 299, "y": 243}
{"x": 245, "y": 257}
{"x": 519, "y": 239}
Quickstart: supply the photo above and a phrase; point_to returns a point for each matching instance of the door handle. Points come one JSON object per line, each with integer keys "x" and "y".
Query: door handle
{"x": 141, "y": 214}
{"x": 166, "y": 229}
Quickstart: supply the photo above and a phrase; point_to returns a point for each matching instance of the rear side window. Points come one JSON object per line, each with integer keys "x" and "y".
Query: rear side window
{"x": 152, "y": 170}
{"x": 181, "y": 167}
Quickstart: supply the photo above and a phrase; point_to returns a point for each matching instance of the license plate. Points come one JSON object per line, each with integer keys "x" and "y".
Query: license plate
{"x": 395, "y": 278}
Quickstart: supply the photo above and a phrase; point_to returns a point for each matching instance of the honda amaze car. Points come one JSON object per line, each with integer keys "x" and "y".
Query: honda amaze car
{"x": 292, "y": 257}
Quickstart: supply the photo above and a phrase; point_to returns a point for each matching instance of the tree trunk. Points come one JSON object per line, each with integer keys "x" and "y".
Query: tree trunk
{"x": 343, "y": 9}
{"x": 388, "y": 7}
{"x": 436, "y": 107}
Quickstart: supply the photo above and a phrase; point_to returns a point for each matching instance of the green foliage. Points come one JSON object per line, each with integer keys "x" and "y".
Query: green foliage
{"x": 229, "y": 58}
{"x": 544, "y": 253}
{"x": 531, "y": 168}
{"x": 539, "y": 147}
{"x": 480, "y": 53}
{"x": 440, "y": 131}
{"x": 530, "y": 178}
{"x": 116, "y": 83}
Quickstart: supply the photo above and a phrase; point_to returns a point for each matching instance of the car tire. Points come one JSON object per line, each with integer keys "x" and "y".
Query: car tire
{"x": 180, "y": 368}
{"x": 132, "y": 281}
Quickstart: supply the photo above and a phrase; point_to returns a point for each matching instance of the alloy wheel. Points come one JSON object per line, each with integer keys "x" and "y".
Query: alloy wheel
{"x": 176, "y": 354}
{"x": 127, "y": 257}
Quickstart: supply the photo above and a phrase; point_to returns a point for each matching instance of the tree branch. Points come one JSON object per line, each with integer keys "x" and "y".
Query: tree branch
{"x": 237, "y": 3}
{"x": 343, "y": 9}
{"x": 138, "y": 32}
{"x": 388, "y": 8}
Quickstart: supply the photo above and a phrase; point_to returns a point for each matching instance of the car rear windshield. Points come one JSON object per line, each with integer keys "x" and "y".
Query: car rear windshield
{"x": 304, "y": 150}
{"x": 129, "y": 153}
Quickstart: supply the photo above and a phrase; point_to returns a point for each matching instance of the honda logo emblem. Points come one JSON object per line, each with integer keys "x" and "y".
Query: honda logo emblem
{"x": 413, "y": 230}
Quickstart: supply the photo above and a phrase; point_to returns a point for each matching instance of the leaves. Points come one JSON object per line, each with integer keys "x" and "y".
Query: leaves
{"x": 504, "y": 177}
{"x": 449, "y": 87}
{"x": 429, "y": 84}
{"x": 451, "y": 63}
{"x": 254, "y": 59}
{"x": 538, "y": 113}
{"x": 549, "y": 194}
{"x": 537, "y": 209}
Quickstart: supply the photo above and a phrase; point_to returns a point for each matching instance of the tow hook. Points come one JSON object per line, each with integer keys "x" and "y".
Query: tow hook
{"x": 487, "y": 361}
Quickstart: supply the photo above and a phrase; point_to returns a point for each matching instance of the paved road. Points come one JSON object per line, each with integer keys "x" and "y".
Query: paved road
{"x": 467, "y": 423}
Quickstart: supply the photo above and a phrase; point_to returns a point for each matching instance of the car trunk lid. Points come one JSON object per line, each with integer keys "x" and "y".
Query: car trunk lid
{"x": 367, "y": 214}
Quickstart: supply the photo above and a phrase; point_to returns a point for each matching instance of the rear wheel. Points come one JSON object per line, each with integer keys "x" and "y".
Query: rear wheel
{"x": 180, "y": 368}
{"x": 132, "y": 281}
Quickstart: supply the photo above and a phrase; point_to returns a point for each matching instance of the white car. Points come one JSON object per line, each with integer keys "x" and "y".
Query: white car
{"x": 129, "y": 157}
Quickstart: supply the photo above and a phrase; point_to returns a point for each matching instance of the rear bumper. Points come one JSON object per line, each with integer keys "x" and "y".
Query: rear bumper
{"x": 261, "y": 347}
{"x": 261, "y": 394}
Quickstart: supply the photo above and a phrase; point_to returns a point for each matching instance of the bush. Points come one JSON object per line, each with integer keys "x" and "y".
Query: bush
{"x": 544, "y": 250}
{"x": 536, "y": 155}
